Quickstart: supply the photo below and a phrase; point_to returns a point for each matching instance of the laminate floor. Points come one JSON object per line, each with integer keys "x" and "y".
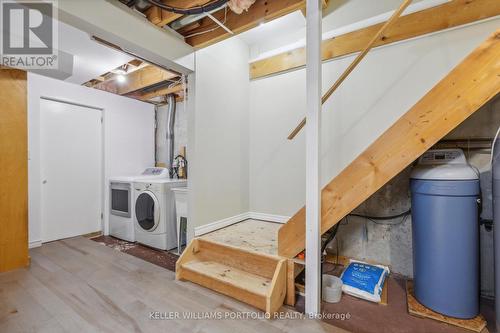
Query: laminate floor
{"x": 77, "y": 285}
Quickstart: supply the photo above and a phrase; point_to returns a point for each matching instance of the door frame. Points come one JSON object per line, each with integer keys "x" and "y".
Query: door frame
{"x": 103, "y": 147}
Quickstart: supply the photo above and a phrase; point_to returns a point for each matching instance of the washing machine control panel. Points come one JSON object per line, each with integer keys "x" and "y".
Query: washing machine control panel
{"x": 154, "y": 171}
{"x": 443, "y": 156}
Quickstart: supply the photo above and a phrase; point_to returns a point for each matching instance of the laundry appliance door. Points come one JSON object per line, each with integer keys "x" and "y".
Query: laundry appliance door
{"x": 147, "y": 211}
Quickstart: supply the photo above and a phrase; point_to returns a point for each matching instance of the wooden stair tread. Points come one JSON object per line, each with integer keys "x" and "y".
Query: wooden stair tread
{"x": 247, "y": 281}
{"x": 253, "y": 278}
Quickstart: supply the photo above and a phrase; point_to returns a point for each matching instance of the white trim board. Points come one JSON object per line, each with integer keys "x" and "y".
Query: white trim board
{"x": 413, "y": 8}
{"x": 216, "y": 225}
{"x": 269, "y": 217}
{"x": 34, "y": 244}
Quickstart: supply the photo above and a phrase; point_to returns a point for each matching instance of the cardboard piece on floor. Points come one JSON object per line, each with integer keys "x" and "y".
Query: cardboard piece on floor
{"x": 476, "y": 324}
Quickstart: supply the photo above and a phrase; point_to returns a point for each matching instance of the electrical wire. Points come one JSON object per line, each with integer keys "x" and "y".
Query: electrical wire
{"x": 330, "y": 237}
{"x": 377, "y": 219}
{"x": 189, "y": 11}
{"x": 493, "y": 146}
{"x": 391, "y": 217}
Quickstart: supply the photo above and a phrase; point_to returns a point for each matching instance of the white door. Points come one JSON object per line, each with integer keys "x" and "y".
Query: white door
{"x": 71, "y": 169}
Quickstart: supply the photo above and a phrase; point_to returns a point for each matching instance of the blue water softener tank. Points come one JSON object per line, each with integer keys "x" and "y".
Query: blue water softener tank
{"x": 444, "y": 195}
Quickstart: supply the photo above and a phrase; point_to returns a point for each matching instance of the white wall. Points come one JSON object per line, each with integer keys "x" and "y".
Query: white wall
{"x": 386, "y": 84}
{"x": 128, "y": 137}
{"x": 218, "y": 133}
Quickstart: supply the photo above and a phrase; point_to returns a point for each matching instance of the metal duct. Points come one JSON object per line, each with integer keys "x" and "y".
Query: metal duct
{"x": 170, "y": 132}
{"x": 186, "y": 20}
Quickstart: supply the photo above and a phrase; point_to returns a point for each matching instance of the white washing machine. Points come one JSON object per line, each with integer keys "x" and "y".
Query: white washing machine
{"x": 154, "y": 212}
{"x": 121, "y": 202}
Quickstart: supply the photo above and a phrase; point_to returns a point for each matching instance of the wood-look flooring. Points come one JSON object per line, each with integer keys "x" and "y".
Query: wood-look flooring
{"x": 77, "y": 285}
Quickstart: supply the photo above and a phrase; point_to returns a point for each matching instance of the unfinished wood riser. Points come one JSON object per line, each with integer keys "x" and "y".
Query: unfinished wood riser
{"x": 461, "y": 93}
{"x": 258, "y": 301}
{"x": 256, "y": 279}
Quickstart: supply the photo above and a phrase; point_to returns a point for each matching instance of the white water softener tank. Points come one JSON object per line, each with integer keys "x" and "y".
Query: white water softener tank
{"x": 444, "y": 198}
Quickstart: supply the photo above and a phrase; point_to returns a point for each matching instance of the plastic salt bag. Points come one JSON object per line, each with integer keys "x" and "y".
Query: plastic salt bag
{"x": 363, "y": 280}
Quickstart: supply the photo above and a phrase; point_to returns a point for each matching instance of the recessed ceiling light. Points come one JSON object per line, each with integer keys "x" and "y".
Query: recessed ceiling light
{"x": 121, "y": 78}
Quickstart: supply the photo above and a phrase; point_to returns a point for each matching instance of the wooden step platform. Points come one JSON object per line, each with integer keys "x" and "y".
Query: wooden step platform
{"x": 255, "y": 279}
{"x": 476, "y": 324}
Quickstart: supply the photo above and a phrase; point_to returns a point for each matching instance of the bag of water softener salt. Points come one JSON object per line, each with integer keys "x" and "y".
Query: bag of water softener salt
{"x": 364, "y": 280}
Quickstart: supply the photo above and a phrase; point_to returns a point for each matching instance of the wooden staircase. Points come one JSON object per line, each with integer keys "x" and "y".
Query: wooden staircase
{"x": 461, "y": 93}
{"x": 261, "y": 280}
{"x": 256, "y": 279}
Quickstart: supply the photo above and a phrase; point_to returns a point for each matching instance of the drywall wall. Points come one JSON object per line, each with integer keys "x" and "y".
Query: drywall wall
{"x": 386, "y": 84}
{"x": 128, "y": 137}
{"x": 218, "y": 133}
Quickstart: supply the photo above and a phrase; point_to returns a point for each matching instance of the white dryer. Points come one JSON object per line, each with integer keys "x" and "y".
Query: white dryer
{"x": 121, "y": 202}
{"x": 154, "y": 217}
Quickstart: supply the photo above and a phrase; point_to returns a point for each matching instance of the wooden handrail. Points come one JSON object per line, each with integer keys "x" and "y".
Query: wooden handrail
{"x": 355, "y": 62}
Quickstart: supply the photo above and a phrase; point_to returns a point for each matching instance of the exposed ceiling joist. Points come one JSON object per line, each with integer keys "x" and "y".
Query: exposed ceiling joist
{"x": 161, "y": 17}
{"x": 142, "y": 78}
{"x": 145, "y": 77}
{"x": 132, "y": 66}
{"x": 260, "y": 12}
{"x": 159, "y": 92}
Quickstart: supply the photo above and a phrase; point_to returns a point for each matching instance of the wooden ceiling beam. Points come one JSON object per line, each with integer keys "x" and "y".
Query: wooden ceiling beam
{"x": 445, "y": 16}
{"x": 260, "y": 12}
{"x": 139, "y": 79}
{"x": 161, "y": 17}
{"x": 143, "y": 78}
{"x": 159, "y": 92}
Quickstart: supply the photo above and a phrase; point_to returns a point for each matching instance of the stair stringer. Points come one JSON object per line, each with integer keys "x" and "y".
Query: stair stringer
{"x": 461, "y": 93}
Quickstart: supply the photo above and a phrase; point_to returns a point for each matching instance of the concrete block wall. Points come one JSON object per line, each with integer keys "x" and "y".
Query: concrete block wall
{"x": 390, "y": 241}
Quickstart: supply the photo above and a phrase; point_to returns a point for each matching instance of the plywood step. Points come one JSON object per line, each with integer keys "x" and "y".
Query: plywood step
{"x": 255, "y": 279}
{"x": 255, "y": 284}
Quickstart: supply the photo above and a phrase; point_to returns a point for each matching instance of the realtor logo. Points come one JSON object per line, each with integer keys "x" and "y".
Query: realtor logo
{"x": 29, "y": 34}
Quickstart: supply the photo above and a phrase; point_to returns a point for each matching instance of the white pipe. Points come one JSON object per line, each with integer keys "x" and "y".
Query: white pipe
{"x": 193, "y": 18}
{"x": 220, "y": 23}
{"x": 493, "y": 146}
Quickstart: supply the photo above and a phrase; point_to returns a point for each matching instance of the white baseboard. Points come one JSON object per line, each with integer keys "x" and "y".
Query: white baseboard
{"x": 34, "y": 244}
{"x": 269, "y": 217}
{"x": 204, "y": 229}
